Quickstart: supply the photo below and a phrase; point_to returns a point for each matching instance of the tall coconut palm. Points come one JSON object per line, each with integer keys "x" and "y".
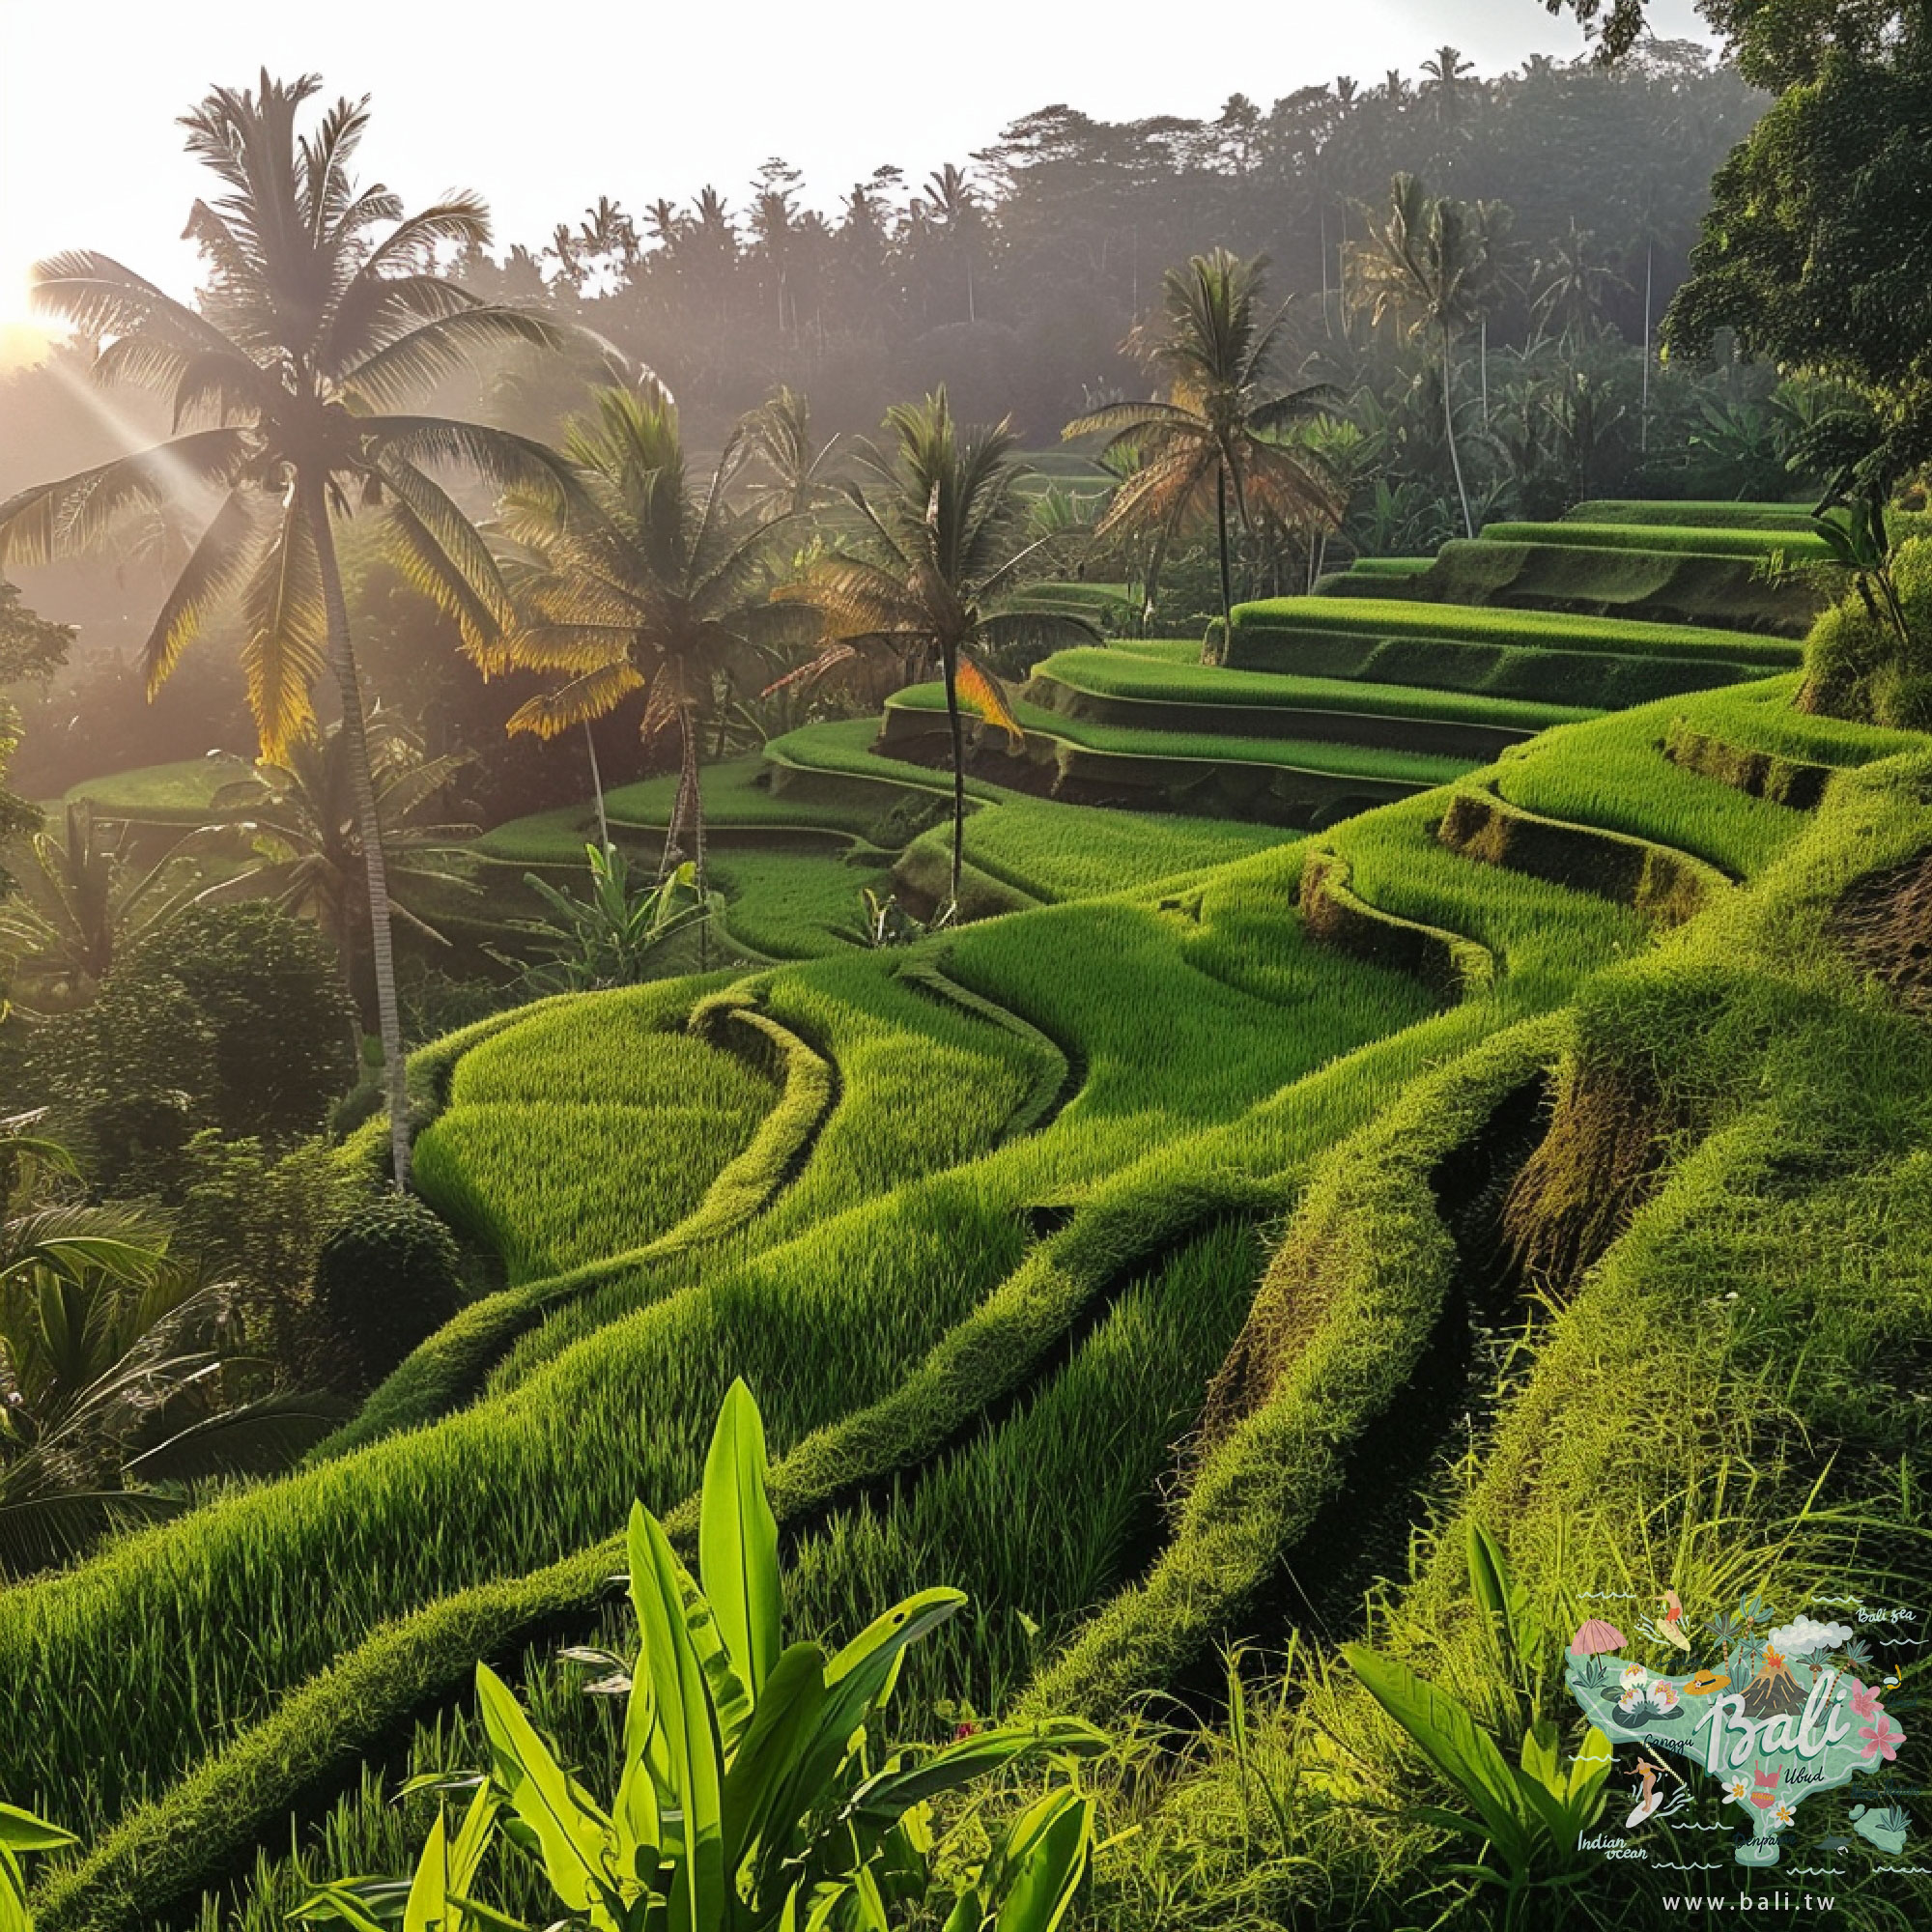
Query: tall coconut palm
{"x": 640, "y": 584}
{"x": 950, "y": 544}
{"x": 1432, "y": 264}
{"x": 321, "y": 314}
{"x": 1218, "y": 434}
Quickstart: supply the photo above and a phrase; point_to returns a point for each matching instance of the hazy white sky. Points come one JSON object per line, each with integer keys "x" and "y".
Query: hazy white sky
{"x": 544, "y": 107}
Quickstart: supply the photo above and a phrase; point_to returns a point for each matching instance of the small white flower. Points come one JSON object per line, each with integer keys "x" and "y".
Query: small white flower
{"x": 1739, "y": 1788}
{"x": 1630, "y": 1698}
{"x": 1782, "y": 1816}
{"x": 1665, "y": 1696}
{"x": 1634, "y": 1676}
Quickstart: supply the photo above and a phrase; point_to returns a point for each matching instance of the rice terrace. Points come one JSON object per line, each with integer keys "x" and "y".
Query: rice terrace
{"x": 1049, "y": 1050}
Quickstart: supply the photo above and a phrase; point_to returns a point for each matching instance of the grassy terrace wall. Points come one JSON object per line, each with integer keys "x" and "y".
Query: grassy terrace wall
{"x": 1142, "y": 693}
{"x": 1707, "y": 513}
{"x": 1651, "y": 582}
{"x": 1280, "y": 781}
{"x": 1602, "y": 663}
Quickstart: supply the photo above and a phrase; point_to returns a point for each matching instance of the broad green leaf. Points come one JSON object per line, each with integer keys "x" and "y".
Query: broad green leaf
{"x": 686, "y": 1723}
{"x": 1542, "y": 1760}
{"x": 738, "y": 1541}
{"x": 22, "y": 1832}
{"x": 1465, "y": 1753}
{"x": 337, "y": 1902}
{"x": 781, "y": 1726}
{"x": 13, "y": 1915}
{"x": 428, "y": 1907}
{"x": 892, "y": 1793}
{"x": 572, "y": 1833}
{"x": 904, "y": 1623}
{"x": 1047, "y": 1860}
{"x": 1592, "y": 1762}
{"x": 729, "y": 1699}
{"x": 1489, "y": 1578}
{"x": 966, "y": 1914}
{"x": 635, "y": 1813}
{"x": 854, "y": 1681}
{"x": 447, "y": 1867}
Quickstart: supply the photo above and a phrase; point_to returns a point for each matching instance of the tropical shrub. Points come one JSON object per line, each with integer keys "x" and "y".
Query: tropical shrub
{"x": 612, "y": 937}
{"x": 755, "y": 1791}
{"x": 1529, "y": 1816}
{"x": 256, "y": 1221}
{"x": 386, "y": 1278}
{"x": 231, "y": 1017}
{"x": 1869, "y": 656}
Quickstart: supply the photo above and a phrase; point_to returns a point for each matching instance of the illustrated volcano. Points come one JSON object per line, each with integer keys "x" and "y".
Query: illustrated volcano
{"x": 1774, "y": 1691}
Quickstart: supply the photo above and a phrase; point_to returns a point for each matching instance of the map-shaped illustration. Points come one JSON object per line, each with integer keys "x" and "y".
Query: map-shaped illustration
{"x": 1778, "y": 1715}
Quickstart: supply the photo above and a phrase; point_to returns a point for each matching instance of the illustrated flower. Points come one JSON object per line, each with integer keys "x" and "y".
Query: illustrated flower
{"x": 1740, "y": 1789}
{"x": 1634, "y": 1677}
{"x": 1882, "y": 1739}
{"x": 1630, "y": 1698}
{"x": 1865, "y": 1701}
{"x": 1665, "y": 1696}
{"x": 1782, "y": 1816}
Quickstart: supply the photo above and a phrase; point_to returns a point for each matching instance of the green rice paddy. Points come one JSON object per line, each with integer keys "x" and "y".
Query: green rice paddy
{"x": 1107, "y": 1269}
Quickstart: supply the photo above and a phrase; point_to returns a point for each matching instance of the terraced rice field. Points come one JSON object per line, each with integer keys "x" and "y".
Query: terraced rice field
{"x": 1137, "y": 1261}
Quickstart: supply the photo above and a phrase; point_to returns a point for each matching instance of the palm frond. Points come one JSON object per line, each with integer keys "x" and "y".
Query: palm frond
{"x": 857, "y": 598}
{"x": 415, "y": 362}
{"x": 214, "y": 569}
{"x": 286, "y": 646}
{"x": 252, "y": 1438}
{"x": 440, "y": 550}
{"x": 54, "y": 518}
{"x": 978, "y": 687}
{"x": 580, "y": 702}
{"x": 504, "y": 460}
{"x": 98, "y": 297}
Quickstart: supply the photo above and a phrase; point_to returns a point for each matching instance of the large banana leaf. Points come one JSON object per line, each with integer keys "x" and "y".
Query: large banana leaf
{"x": 738, "y": 1541}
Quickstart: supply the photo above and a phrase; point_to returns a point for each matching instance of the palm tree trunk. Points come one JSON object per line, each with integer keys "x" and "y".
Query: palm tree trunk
{"x": 597, "y": 788}
{"x": 1449, "y": 431}
{"x": 1227, "y": 590}
{"x": 362, "y": 788}
{"x": 949, "y": 663}
{"x": 691, "y": 791}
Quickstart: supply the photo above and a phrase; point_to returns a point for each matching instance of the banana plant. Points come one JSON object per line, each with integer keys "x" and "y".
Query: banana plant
{"x": 754, "y": 1793}
{"x": 1861, "y": 545}
{"x": 608, "y": 938}
{"x": 1530, "y": 1813}
{"x": 22, "y": 1832}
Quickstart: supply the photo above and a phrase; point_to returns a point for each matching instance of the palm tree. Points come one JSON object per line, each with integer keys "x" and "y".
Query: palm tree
{"x": 1570, "y": 284}
{"x": 797, "y": 467}
{"x": 1217, "y": 434}
{"x": 314, "y": 326}
{"x": 1432, "y": 263}
{"x": 640, "y": 584}
{"x": 950, "y": 537}
{"x": 298, "y": 817}
{"x": 86, "y": 900}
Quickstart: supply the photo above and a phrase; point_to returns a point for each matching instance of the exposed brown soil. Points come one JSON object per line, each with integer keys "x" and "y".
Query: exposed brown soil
{"x": 1757, "y": 774}
{"x": 1332, "y": 914}
{"x": 1597, "y": 1165}
{"x": 1666, "y": 885}
{"x": 1884, "y": 922}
